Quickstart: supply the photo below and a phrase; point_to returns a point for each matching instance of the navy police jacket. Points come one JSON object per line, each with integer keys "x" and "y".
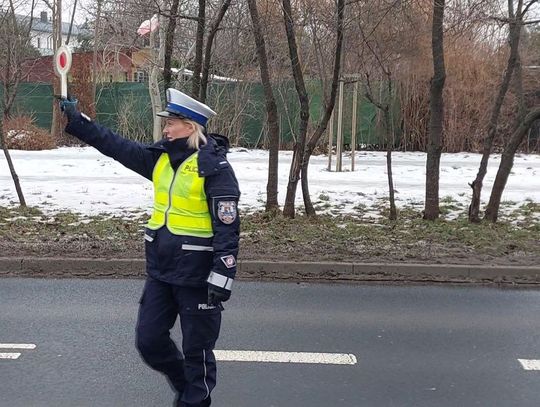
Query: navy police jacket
{"x": 171, "y": 258}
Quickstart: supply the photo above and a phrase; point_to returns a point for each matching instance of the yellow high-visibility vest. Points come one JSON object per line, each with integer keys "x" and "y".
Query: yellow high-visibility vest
{"x": 180, "y": 199}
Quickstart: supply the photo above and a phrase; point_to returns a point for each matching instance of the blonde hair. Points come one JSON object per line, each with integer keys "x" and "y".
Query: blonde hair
{"x": 197, "y": 138}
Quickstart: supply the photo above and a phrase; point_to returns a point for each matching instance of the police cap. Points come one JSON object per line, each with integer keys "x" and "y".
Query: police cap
{"x": 182, "y": 106}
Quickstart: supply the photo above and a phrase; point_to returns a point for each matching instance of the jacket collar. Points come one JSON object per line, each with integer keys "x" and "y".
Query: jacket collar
{"x": 212, "y": 155}
{"x": 157, "y": 146}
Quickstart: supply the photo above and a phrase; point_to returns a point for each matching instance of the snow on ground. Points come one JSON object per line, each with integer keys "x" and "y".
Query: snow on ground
{"x": 84, "y": 181}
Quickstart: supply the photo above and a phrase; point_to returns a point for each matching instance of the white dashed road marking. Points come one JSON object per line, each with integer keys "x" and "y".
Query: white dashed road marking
{"x": 530, "y": 364}
{"x": 17, "y": 346}
{"x": 9, "y": 355}
{"x": 14, "y": 355}
{"x": 285, "y": 357}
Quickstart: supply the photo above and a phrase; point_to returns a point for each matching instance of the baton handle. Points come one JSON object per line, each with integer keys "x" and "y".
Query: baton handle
{"x": 63, "y": 86}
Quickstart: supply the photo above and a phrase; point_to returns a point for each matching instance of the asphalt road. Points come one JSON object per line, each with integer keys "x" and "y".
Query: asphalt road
{"x": 414, "y": 346}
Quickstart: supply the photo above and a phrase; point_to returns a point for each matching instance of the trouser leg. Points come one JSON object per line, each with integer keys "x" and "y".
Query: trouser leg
{"x": 157, "y": 314}
{"x": 200, "y": 330}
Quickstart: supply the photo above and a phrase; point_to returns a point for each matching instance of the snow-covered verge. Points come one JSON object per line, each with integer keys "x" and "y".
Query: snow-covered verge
{"x": 84, "y": 181}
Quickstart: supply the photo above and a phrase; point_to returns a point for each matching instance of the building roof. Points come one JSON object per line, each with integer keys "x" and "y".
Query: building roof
{"x": 40, "y": 26}
{"x": 217, "y": 78}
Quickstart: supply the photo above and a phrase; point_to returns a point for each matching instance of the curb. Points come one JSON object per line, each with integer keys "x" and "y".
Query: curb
{"x": 250, "y": 270}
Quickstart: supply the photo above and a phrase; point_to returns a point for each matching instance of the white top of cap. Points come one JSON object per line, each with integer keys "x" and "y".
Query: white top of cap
{"x": 181, "y": 105}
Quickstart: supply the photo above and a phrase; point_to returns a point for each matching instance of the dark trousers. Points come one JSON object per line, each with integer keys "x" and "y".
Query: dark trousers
{"x": 192, "y": 375}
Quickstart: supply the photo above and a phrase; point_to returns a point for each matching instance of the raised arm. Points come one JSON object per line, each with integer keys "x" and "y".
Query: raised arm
{"x": 133, "y": 155}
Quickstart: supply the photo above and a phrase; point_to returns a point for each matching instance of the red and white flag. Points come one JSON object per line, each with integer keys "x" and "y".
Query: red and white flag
{"x": 148, "y": 26}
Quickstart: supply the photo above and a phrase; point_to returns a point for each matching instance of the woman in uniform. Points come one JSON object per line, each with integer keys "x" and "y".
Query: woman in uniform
{"x": 191, "y": 239}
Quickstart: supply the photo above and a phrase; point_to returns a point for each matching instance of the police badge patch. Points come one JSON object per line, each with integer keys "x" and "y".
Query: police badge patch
{"x": 229, "y": 261}
{"x": 227, "y": 211}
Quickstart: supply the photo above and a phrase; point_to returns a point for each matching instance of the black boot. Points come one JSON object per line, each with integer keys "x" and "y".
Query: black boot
{"x": 179, "y": 403}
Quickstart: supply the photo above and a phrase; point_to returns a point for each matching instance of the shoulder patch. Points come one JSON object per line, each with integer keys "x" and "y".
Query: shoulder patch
{"x": 226, "y": 211}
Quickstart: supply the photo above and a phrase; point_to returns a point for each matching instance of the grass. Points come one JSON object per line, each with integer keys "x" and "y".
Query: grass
{"x": 342, "y": 238}
{"x": 272, "y": 237}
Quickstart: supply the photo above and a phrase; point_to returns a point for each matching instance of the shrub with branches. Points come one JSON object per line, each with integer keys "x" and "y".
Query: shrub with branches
{"x": 22, "y": 134}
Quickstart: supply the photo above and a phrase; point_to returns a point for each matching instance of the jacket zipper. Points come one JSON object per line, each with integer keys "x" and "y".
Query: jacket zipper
{"x": 172, "y": 183}
{"x": 170, "y": 195}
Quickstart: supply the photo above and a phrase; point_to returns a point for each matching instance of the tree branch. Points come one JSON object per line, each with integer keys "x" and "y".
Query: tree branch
{"x": 527, "y": 7}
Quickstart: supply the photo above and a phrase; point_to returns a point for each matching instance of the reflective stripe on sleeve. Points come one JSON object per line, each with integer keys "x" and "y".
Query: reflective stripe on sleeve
{"x": 220, "y": 280}
{"x": 197, "y": 248}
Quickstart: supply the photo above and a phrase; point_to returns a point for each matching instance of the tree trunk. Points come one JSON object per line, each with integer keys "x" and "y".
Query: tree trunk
{"x": 476, "y": 185}
{"x": 8, "y": 94}
{"x": 208, "y": 49}
{"x": 390, "y": 145}
{"x": 95, "y": 54}
{"x": 393, "y": 210}
{"x": 298, "y": 152}
{"x": 14, "y": 176}
{"x": 10, "y": 78}
{"x": 153, "y": 80}
{"x": 520, "y": 96}
{"x": 507, "y": 161}
{"x": 169, "y": 44}
{"x": 271, "y": 111}
{"x": 56, "y": 130}
{"x": 436, "y": 104}
{"x": 71, "y": 21}
{"x": 321, "y": 127}
{"x": 384, "y": 107}
{"x": 199, "y": 41}
{"x": 304, "y": 183}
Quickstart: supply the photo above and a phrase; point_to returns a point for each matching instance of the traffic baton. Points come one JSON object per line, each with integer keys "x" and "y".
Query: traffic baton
{"x": 62, "y": 65}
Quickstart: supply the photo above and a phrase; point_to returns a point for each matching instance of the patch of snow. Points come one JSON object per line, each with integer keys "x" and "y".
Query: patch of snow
{"x": 80, "y": 179}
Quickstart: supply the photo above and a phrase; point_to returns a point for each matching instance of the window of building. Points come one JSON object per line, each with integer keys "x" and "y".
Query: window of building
{"x": 140, "y": 76}
{"x": 39, "y": 42}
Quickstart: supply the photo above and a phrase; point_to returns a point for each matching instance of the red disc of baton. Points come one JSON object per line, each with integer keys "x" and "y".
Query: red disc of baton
{"x": 63, "y": 60}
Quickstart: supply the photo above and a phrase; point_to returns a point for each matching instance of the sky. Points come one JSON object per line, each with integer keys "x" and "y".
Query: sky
{"x": 82, "y": 180}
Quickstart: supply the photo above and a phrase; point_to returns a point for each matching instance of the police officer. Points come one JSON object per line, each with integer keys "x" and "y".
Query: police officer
{"x": 191, "y": 239}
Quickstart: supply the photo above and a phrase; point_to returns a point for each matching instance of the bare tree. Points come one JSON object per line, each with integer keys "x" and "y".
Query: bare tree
{"x": 15, "y": 39}
{"x": 97, "y": 43}
{"x": 515, "y": 22}
{"x": 15, "y": 48}
{"x": 329, "y": 107}
{"x": 431, "y": 209}
{"x": 380, "y": 57}
{"x": 199, "y": 43}
{"x": 271, "y": 111}
{"x": 384, "y": 106}
{"x": 522, "y": 124}
{"x": 157, "y": 54}
{"x": 56, "y": 9}
{"x": 507, "y": 161}
{"x": 208, "y": 48}
{"x": 169, "y": 44}
{"x": 299, "y": 146}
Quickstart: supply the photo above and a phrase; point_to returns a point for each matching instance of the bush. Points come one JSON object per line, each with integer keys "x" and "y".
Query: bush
{"x": 22, "y": 134}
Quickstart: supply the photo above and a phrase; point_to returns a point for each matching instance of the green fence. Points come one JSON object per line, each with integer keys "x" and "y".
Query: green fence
{"x": 125, "y": 107}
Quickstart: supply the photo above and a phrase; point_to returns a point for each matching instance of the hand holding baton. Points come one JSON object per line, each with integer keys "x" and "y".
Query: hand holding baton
{"x": 62, "y": 65}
